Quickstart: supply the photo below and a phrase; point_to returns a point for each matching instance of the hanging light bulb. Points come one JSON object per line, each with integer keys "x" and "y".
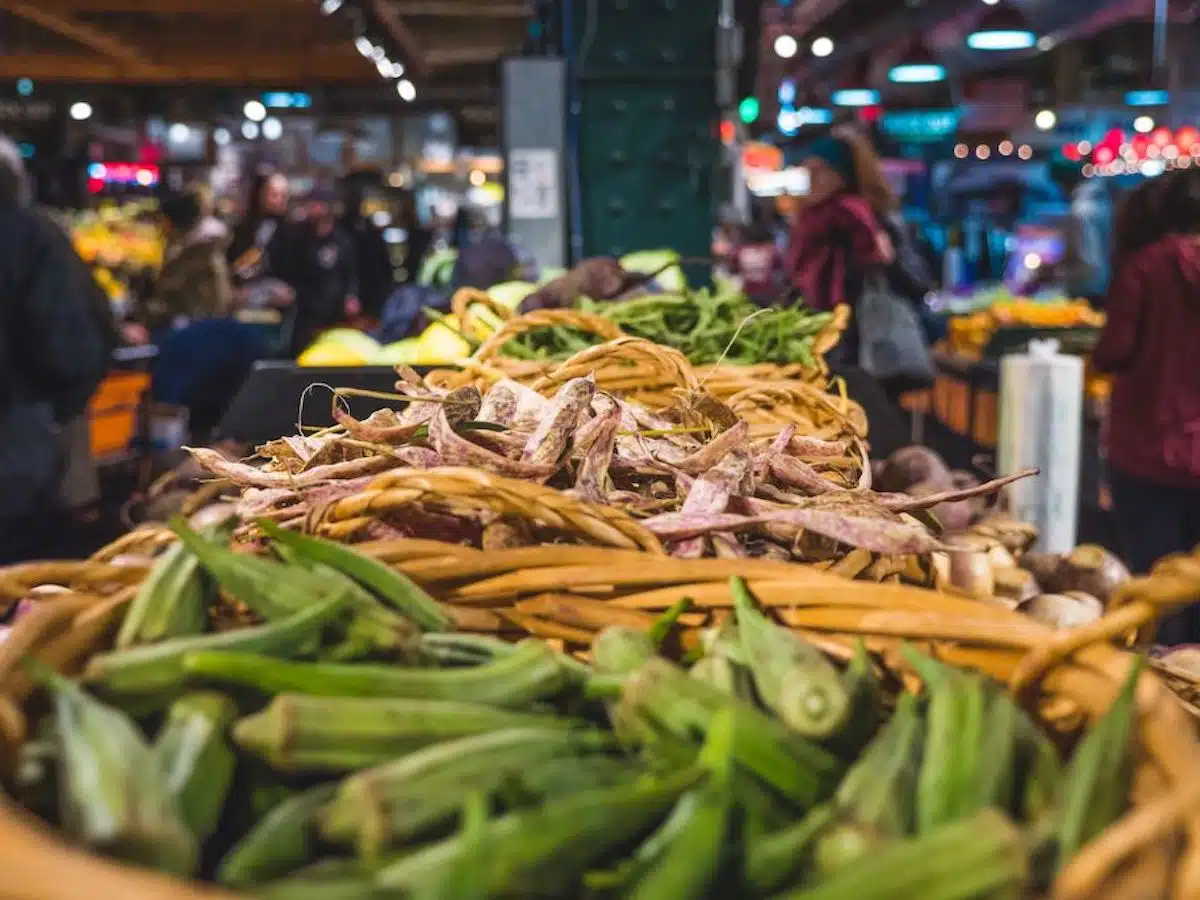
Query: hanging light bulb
{"x": 917, "y": 66}
{"x": 1003, "y": 27}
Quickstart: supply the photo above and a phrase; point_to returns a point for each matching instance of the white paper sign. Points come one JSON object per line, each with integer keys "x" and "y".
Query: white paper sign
{"x": 533, "y": 183}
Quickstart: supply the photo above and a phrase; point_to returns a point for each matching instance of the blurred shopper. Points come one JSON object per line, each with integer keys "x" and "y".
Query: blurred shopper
{"x": 418, "y": 238}
{"x": 262, "y": 252}
{"x": 325, "y": 274}
{"x": 848, "y": 227}
{"x": 1149, "y": 345}
{"x": 1088, "y": 237}
{"x": 756, "y": 261}
{"x": 371, "y": 257}
{"x": 56, "y": 339}
{"x": 194, "y": 282}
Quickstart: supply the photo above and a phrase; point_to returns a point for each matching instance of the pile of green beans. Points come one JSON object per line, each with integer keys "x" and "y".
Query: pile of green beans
{"x": 703, "y": 325}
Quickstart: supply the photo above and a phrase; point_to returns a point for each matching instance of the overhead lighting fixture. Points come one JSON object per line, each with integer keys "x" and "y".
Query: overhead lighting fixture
{"x": 384, "y": 67}
{"x": 254, "y": 111}
{"x": 822, "y": 47}
{"x": 1148, "y": 98}
{"x": 81, "y": 111}
{"x": 855, "y": 97}
{"x": 1045, "y": 119}
{"x": 329, "y": 7}
{"x": 1143, "y": 124}
{"x": 407, "y": 90}
{"x": 397, "y": 70}
{"x": 364, "y": 46}
{"x": 272, "y": 129}
{"x": 786, "y": 46}
{"x": 1003, "y": 27}
{"x": 249, "y": 130}
{"x": 1046, "y": 43}
{"x": 220, "y": 136}
{"x": 178, "y": 133}
{"x": 917, "y": 66}
{"x": 856, "y": 90}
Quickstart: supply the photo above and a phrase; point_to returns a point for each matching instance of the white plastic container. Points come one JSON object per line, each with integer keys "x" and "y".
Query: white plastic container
{"x": 1041, "y": 425}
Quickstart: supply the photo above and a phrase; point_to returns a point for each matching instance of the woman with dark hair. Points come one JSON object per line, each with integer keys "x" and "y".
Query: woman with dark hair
{"x": 848, "y": 226}
{"x": 194, "y": 280}
{"x": 261, "y": 253}
{"x": 1149, "y": 345}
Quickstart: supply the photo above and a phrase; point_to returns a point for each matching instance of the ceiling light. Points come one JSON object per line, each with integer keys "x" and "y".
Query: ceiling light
{"x": 249, "y": 130}
{"x": 221, "y": 136}
{"x": 406, "y": 89}
{"x": 178, "y": 133}
{"x": 1046, "y": 43}
{"x": 397, "y": 69}
{"x": 1005, "y": 148}
{"x": 1025, "y": 151}
{"x": 983, "y": 151}
{"x": 822, "y": 47}
{"x": 379, "y": 54}
{"x": 272, "y": 129}
{"x": 990, "y": 2}
{"x": 254, "y": 111}
{"x": 384, "y": 67}
{"x": 961, "y": 151}
{"x": 786, "y": 46}
{"x": 1003, "y": 27}
{"x": 856, "y": 90}
{"x": 477, "y": 178}
{"x": 1143, "y": 124}
{"x": 1045, "y": 119}
{"x": 364, "y": 46}
{"x": 329, "y": 7}
{"x": 81, "y": 111}
{"x": 917, "y": 66}
{"x": 1148, "y": 98}
{"x": 855, "y": 97}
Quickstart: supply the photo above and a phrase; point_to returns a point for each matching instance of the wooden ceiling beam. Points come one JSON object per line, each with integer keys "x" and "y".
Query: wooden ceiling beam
{"x": 449, "y": 57}
{"x": 257, "y": 8}
{"x": 80, "y": 32}
{"x": 461, "y": 10}
{"x": 398, "y": 31}
{"x": 274, "y": 70}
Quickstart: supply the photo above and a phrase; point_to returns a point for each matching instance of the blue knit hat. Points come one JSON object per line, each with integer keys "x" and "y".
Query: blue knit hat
{"x": 836, "y": 154}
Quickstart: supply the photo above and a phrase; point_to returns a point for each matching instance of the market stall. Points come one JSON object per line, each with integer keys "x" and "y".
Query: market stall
{"x": 485, "y": 638}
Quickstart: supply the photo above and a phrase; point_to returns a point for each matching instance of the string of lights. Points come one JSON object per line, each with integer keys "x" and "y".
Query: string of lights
{"x": 371, "y": 39}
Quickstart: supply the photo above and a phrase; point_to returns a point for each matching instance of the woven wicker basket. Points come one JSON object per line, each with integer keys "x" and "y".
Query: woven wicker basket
{"x": 770, "y": 395}
{"x": 567, "y": 593}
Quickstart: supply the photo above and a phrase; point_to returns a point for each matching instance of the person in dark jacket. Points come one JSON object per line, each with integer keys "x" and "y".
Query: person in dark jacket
{"x": 55, "y": 347}
{"x": 1149, "y": 345}
{"x": 376, "y": 279}
{"x": 262, "y": 251}
{"x": 194, "y": 280}
{"x": 325, "y": 274}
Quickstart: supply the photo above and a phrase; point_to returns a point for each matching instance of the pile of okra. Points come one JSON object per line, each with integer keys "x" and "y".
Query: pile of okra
{"x": 351, "y": 745}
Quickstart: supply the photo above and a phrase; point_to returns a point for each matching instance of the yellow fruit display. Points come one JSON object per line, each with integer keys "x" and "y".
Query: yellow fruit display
{"x": 440, "y": 344}
{"x": 970, "y": 334}
{"x": 330, "y": 354}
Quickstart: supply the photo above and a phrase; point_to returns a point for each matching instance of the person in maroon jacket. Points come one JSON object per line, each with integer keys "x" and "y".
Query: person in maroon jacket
{"x": 1151, "y": 344}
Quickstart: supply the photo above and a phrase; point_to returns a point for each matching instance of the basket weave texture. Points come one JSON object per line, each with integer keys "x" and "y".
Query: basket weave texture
{"x": 567, "y": 593}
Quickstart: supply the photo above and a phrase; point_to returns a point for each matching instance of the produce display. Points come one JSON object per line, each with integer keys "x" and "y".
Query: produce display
{"x": 970, "y": 335}
{"x": 340, "y": 741}
{"x": 692, "y": 479}
{"x": 706, "y": 326}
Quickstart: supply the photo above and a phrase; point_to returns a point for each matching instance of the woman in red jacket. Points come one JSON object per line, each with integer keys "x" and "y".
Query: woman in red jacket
{"x": 1151, "y": 345}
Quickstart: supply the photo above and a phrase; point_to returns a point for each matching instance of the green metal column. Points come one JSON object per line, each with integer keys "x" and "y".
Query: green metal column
{"x": 646, "y": 126}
